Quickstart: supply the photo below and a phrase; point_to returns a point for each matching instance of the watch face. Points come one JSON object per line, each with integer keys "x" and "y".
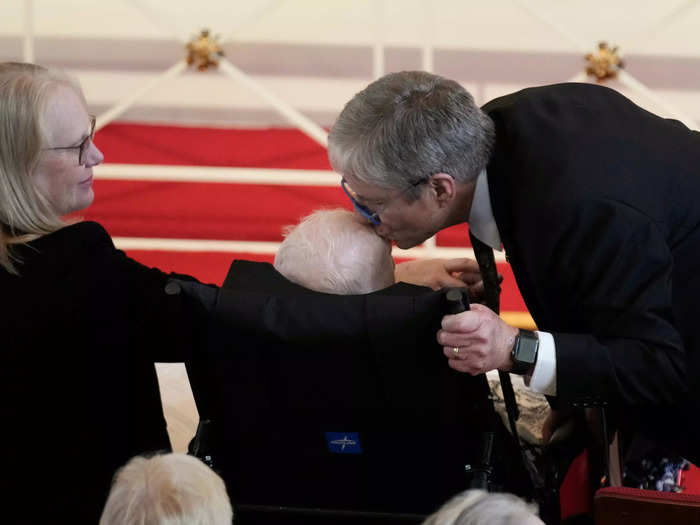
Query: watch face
{"x": 525, "y": 351}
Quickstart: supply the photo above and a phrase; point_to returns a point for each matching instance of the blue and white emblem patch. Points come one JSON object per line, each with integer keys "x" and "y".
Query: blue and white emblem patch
{"x": 343, "y": 442}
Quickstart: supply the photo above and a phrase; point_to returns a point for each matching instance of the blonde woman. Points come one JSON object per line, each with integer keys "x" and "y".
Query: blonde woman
{"x": 82, "y": 323}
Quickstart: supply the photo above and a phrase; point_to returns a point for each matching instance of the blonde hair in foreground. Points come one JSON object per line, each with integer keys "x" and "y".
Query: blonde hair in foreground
{"x": 25, "y": 214}
{"x": 168, "y": 489}
{"x": 477, "y": 507}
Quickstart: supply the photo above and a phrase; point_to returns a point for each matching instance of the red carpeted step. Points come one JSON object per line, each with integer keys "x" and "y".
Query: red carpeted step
{"x": 457, "y": 236}
{"x": 188, "y": 210}
{"x": 130, "y": 143}
{"x": 208, "y": 267}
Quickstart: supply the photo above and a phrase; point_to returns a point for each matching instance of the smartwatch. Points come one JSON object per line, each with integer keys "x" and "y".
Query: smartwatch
{"x": 524, "y": 353}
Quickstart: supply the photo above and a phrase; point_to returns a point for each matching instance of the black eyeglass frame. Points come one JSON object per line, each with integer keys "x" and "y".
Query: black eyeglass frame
{"x": 84, "y": 146}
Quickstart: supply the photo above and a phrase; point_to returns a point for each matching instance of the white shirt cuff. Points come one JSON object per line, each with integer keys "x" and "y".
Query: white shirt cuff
{"x": 544, "y": 375}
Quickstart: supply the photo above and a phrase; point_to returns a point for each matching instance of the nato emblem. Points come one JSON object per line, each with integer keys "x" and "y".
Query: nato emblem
{"x": 343, "y": 442}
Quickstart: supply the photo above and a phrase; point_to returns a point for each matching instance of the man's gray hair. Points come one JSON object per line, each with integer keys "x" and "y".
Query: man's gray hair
{"x": 407, "y": 126}
{"x": 478, "y": 507}
{"x": 334, "y": 251}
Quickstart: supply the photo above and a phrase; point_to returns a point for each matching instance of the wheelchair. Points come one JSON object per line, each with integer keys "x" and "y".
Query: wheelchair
{"x": 320, "y": 408}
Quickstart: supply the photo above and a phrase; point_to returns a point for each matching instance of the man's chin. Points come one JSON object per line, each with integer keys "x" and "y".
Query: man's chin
{"x": 405, "y": 244}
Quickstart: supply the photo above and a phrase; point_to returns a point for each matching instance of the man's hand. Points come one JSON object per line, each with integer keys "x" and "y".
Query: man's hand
{"x": 441, "y": 273}
{"x": 483, "y": 340}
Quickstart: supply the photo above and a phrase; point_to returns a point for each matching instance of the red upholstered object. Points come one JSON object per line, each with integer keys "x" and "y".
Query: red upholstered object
{"x": 623, "y": 505}
{"x": 633, "y": 494}
{"x": 574, "y": 493}
{"x": 690, "y": 480}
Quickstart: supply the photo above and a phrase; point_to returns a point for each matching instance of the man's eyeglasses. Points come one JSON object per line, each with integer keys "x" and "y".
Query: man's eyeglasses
{"x": 369, "y": 214}
{"x": 84, "y": 146}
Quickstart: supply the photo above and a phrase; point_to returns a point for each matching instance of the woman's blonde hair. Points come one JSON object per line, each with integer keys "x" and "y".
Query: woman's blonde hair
{"x": 25, "y": 213}
{"x": 168, "y": 489}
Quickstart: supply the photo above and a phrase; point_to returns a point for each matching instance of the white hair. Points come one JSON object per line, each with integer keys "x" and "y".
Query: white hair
{"x": 478, "y": 507}
{"x": 333, "y": 251}
{"x": 167, "y": 489}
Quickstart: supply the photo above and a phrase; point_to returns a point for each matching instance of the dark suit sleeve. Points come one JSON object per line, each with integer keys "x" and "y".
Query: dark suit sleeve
{"x": 611, "y": 270}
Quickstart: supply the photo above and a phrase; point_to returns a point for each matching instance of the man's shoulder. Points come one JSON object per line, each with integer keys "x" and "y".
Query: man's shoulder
{"x": 572, "y": 92}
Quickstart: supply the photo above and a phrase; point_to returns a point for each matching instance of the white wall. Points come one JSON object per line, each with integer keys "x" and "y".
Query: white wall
{"x": 317, "y": 53}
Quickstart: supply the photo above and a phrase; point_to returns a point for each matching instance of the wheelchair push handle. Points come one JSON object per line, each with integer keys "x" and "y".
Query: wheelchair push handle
{"x": 457, "y": 300}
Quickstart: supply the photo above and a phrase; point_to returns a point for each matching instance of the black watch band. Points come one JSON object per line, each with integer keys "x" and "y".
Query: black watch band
{"x": 524, "y": 353}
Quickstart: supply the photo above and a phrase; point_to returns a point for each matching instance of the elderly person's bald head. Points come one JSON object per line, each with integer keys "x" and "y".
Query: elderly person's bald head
{"x": 334, "y": 251}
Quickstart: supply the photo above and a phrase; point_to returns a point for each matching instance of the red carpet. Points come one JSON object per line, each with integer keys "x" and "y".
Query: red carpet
{"x": 192, "y": 210}
{"x": 187, "y": 146}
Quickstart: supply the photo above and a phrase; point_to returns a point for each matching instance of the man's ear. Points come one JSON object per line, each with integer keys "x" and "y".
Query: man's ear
{"x": 444, "y": 188}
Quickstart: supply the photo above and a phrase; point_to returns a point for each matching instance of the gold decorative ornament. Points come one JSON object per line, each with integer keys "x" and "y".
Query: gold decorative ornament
{"x": 605, "y": 63}
{"x": 204, "y": 51}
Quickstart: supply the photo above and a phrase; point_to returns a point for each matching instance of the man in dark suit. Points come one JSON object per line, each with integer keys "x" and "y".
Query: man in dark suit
{"x": 594, "y": 201}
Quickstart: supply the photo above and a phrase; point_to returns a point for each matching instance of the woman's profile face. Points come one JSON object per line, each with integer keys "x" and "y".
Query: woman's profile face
{"x": 59, "y": 175}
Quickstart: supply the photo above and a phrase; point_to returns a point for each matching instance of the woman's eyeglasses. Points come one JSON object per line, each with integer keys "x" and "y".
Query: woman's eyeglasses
{"x": 84, "y": 146}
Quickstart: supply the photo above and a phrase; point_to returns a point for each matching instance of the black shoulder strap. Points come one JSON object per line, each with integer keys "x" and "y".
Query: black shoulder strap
{"x": 492, "y": 291}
